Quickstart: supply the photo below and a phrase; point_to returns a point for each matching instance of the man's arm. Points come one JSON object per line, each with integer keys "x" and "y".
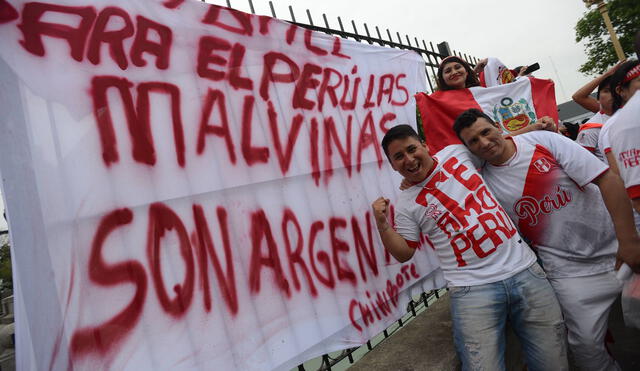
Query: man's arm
{"x": 545, "y": 123}
{"x": 392, "y": 241}
{"x": 583, "y": 97}
{"x": 613, "y": 165}
{"x": 617, "y": 203}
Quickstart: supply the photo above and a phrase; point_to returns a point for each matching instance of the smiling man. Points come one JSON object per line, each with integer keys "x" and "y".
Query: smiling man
{"x": 491, "y": 272}
{"x": 554, "y": 189}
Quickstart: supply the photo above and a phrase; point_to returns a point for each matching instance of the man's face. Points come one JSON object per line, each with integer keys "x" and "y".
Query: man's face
{"x": 410, "y": 158}
{"x": 484, "y": 140}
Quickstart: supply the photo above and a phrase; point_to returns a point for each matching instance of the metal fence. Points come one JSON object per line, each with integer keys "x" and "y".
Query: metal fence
{"x": 431, "y": 55}
{"x": 432, "y": 59}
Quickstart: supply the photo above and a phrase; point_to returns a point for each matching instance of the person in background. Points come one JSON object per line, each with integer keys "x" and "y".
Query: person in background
{"x": 623, "y": 84}
{"x": 492, "y": 274}
{"x": 564, "y": 201}
{"x": 601, "y": 105}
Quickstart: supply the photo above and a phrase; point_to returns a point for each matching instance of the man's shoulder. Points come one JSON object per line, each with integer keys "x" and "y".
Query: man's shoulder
{"x": 552, "y": 142}
{"x": 629, "y": 115}
{"x": 538, "y": 135}
{"x": 453, "y": 150}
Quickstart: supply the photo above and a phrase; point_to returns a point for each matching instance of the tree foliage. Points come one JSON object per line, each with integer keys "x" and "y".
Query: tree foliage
{"x": 625, "y": 17}
{"x": 5, "y": 264}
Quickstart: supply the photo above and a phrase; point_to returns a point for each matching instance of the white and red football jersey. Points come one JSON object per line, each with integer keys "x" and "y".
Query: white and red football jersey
{"x": 589, "y": 133}
{"x": 546, "y": 187}
{"x": 625, "y": 145}
{"x": 603, "y": 138}
{"x": 472, "y": 235}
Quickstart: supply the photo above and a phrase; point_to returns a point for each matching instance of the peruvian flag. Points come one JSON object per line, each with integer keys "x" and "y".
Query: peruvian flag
{"x": 513, "y": 106}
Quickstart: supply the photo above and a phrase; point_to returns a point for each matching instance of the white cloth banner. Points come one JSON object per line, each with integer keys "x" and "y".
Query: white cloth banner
{"x": 189, "y": 186}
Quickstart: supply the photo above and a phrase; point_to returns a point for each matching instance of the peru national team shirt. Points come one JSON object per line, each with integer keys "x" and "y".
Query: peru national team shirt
{"x": 603, "y": 137}
{"x": 589, "y": 133}
{"x": 546, "y": 187}
{"x": 461, "y": 220}
{"x": 625, "y": 145}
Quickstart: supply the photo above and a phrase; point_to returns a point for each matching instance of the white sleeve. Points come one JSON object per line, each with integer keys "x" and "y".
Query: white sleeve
{"x": 463, "y": 154}
{"x": 406, "y": 227}
{"x": 579, "y": 164}
{"x": 588, "y": 139}
{"x": 603, "y": 139}
{"x": 625, "y": 145}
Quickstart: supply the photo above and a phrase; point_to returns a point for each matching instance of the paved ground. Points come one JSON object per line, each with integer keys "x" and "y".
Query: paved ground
{"x": 626, "y": 347}
{"x": 426, "y": 344}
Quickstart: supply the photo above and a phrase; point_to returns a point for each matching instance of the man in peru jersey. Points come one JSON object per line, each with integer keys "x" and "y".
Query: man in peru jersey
{"x": 625, "y": 136}
{"x": 554, "y": 189}
{"x": 491, "y": 272}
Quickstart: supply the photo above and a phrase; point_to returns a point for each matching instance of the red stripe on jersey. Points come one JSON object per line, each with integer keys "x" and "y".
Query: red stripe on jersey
{"x": 539, "y": 182}
{"x": 607, "y": 150}
{"x": 590, "y": 149}
{"x": 634, "y": 192}
{"x": 413, "y": 244}
{"x": 437, "y": 111}
{"x": 590, "y": 125}
{"x": 544, "y": 98}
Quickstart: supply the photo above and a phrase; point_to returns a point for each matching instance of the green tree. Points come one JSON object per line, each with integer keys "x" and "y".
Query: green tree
{"x": 5, "y": 264}
{"x": 625, "y": 17}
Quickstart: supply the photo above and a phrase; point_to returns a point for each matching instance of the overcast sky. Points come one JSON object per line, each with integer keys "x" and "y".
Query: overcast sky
{"x": 516, "y": 31}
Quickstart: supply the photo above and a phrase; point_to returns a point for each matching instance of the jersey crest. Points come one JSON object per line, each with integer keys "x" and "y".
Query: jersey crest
{"x": 542, "y": 165}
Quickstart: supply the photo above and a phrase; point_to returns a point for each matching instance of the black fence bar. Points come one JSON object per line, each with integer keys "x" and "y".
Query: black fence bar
{"x": 273, "y": 11}
{"x": 293, "y": 17}
{"x": 326, "y": 365}
{"x": 309, "y": 16}
{"x": 342, "y": 28}
{"x": 355, "y": 30}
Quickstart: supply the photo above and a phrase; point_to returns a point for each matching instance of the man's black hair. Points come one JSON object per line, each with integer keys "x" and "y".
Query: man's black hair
{"x": 398, "y": 132}
{"x": 467, "y": 118}
{"x": 617, "y": 80}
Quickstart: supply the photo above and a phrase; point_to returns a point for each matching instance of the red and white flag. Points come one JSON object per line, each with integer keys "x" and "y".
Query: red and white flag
{"x": 513, "y": 106}
{"x": 496, "y": 73}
